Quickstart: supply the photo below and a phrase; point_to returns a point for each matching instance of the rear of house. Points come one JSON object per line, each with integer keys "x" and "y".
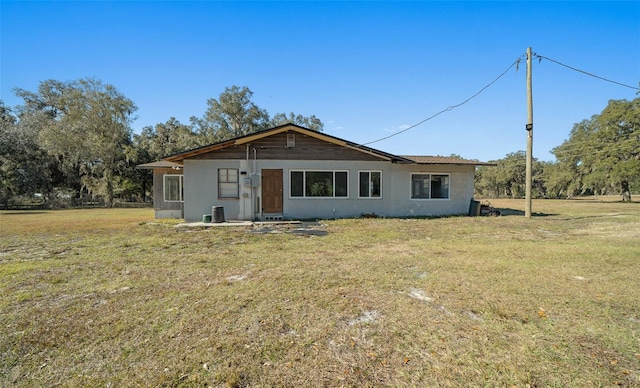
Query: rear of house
{"x": 290, "y": 172}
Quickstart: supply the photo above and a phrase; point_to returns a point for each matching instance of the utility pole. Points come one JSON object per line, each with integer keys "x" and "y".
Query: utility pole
{"x": 529, "y": 127}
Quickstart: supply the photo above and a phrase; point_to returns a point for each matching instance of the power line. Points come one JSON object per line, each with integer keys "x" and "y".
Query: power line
{"x": 540, "y": 57}
{"x": 452, "y": 107}
{"x": 515, "y": 63}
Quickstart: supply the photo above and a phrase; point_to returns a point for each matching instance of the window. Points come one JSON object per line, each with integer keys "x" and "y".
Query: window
{"x": 172, "y": 188}
{"x": 429, "y": 186}
{"x": 321, "y": 184}
{"x": 370, "y": 184}
{"x": 440, "y": 186}
{"x": 228, "y": 183}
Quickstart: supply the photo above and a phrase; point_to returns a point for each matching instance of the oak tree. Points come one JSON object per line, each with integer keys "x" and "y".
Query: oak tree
{"x": 233, "y": 114}
{"x": 604, "y": 151}
{"x": 85, "y": 124}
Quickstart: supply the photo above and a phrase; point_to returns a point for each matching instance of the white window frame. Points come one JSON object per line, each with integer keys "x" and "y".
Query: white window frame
{"x": 228, "y": 184}
{"x": 431, "y": 175}
{"x": 370, "y": 184}
{"x": 304, "y": 184}
{"x": 165, "y": 190}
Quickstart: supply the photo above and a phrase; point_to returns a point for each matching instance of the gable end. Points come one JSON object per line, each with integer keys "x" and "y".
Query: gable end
{"x": 276, "y": 147}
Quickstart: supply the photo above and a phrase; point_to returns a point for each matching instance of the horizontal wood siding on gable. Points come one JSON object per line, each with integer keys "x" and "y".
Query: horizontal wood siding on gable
{"x": 158, "y": 187}
{"x": 275, "y": 148}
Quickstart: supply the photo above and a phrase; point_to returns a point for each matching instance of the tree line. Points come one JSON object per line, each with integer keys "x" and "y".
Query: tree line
{"x": 600, "y": 157}
{"x": 72, "y": 142}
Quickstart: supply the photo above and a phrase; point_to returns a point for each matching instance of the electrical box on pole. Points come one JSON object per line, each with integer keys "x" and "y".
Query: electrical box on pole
{"x": 529, "y": 128}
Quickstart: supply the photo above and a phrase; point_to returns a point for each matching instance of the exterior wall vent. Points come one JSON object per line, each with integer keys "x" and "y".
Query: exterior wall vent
{"x": 291, "y": 140}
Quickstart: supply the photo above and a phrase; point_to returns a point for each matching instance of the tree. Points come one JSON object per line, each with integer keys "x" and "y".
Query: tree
{"x": 604, "y": 151}
{"x": 311, "y": 122}
{"x": 156, "y": 142}
{"x": 486, "y": 182}
{"x": 233, "y": 114}
{"x": 508, "y": 177}
{"x": 24, "y": 166}
{"x": 85, "y": 124}
{"x": 560, "y": 181}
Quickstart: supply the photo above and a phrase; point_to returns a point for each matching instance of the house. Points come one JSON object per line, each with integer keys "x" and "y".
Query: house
{"x": 291, "y": 172}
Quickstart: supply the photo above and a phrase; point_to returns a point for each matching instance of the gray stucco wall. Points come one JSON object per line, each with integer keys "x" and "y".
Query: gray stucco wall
{"x": 201, "y": 190}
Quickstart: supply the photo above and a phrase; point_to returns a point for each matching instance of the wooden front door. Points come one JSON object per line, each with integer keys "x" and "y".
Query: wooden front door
{"x": 272, "y": 193}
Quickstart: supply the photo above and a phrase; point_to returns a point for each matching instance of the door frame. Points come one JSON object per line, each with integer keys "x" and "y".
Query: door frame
{"x": 263, "y": 194}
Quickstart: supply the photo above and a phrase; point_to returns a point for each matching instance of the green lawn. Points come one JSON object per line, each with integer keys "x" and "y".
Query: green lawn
{"x": 111, "y": 297}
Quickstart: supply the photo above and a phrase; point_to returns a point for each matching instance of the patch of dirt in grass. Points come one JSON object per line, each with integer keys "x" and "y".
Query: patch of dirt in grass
{"x": 304, "y": 229}
{"x": 236, "y": 278}
{"x": 472, "y": 315}
{"x": 610, "y": 229}
{"x": 420, "y": 295}
{"x": 366, "y": 317}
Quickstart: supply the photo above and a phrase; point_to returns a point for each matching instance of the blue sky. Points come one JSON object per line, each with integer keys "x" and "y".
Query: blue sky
{"x": 366, "y": 69}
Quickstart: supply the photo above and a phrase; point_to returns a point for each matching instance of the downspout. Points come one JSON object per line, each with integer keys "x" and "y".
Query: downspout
{"x": 254, "y": 190}
{"x": 251, "y": 199}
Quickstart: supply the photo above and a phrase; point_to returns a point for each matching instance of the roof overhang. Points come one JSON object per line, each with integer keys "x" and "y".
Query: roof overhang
{"x": 160, "y": 164}
{"x": 448, "y": 160}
